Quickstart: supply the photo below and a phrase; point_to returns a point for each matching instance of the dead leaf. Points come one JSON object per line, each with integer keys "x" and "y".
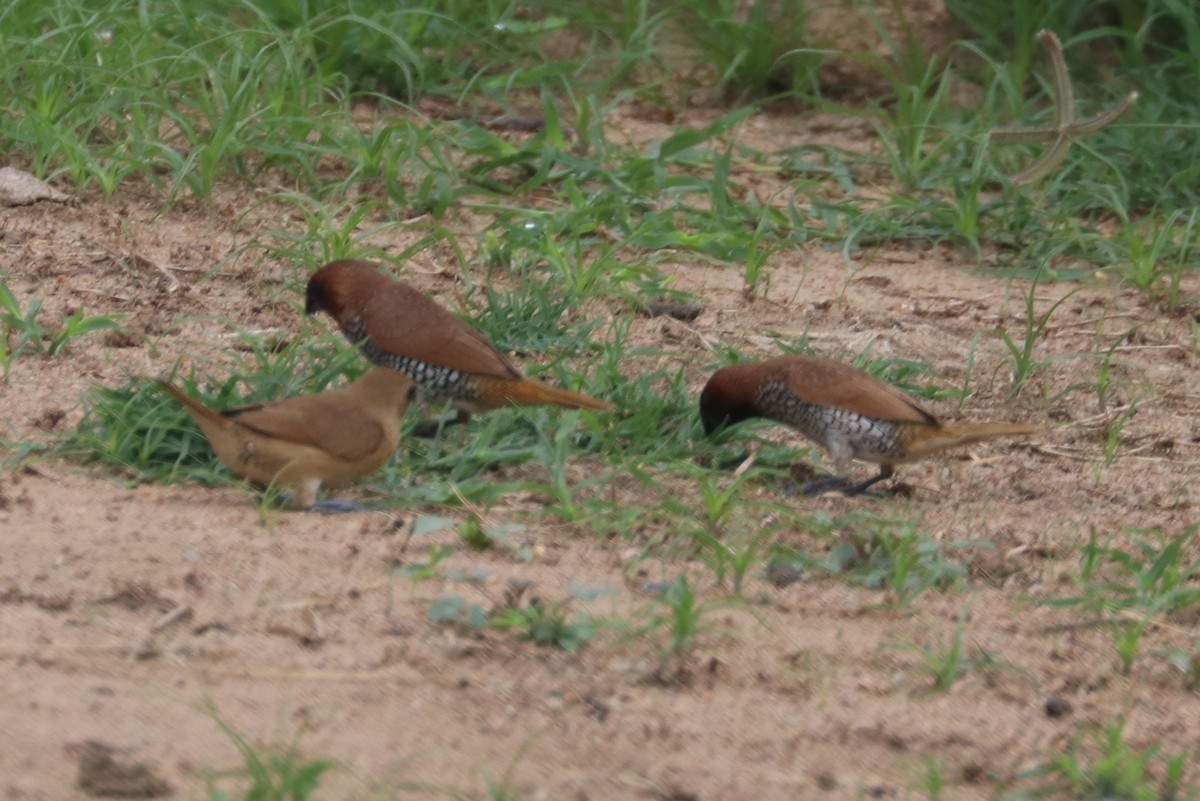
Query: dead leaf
{"x": 19, "y": 188}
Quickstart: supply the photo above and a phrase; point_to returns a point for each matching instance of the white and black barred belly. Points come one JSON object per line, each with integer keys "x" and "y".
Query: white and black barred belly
{"x": 869, "y": 437}
{"x": 434, "y": 382}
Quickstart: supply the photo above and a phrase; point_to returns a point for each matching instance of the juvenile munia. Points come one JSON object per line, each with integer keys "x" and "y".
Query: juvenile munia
{"x": 851, "y": 413}
{"x": 330, "y": 438}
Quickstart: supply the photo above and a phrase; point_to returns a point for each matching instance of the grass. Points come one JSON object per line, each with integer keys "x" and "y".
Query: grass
{"x": 1021, "y": 348}
{"x": 371, "y": 121}
{"x": 270, "y": 775}
{"x": 677, "y": 623}
{"x": 1136, "y": 589}
{"x": 1100, "y": 764}
{"x": 548, "y": 624}
{"x": 236, "y": 101}
{"x": 947, "y": 661}
{"x": 878, "y": 552}
{"x": 755, "y": 49}
{"x": 22, "y": 332}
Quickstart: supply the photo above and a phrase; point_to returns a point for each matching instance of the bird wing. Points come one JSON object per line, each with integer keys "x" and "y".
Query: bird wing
{"x": 327, "y": 422}
{"x": 403, "y": 321}
{"x": 830, "y": 383}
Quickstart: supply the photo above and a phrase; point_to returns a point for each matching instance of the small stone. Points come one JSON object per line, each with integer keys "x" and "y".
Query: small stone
{"x": 783, "y": 573}
{"x": 19, "y": 188}
{"x": 1057, "y": 707}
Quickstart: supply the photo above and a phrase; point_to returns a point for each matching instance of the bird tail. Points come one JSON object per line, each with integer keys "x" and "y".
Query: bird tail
{"x": 929, "y": 440}
{"x": 203, "y": 415}
{"x": 525, "y": 392}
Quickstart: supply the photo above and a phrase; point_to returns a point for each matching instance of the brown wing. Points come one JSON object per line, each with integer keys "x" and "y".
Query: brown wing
{"x": 328, "y": 421}
{"x": 830, "y": 383}
{"x": 403, "y": 321}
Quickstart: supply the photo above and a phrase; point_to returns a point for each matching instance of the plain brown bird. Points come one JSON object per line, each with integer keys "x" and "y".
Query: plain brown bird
{"x": 397, "y": 326}
{"x": 853, "y": 414}
{"x": 304, "y": 442}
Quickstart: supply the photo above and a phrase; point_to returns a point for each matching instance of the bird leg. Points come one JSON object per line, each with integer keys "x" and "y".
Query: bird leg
{"x": 842, "y": 454}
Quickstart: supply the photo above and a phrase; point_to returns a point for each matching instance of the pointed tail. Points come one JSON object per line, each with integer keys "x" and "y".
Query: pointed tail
{"x": 208, "y": 419}
{"x": 524, "y": 392}
{"x": 926, "y": 440}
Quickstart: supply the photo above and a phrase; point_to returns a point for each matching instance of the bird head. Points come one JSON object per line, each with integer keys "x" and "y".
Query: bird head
{"x": 342, "y": 288}
{"x": 725, "y": 400}
{"x": 314, "y": 296}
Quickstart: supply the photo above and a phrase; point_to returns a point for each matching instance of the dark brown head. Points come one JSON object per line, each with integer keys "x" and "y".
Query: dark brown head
{"x": 342, "y": 288}
{"x": 728, "y": 397}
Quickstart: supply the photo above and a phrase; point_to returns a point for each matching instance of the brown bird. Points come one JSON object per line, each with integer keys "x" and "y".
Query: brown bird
{"x": 330, "y": 438}
{"x": 397, "y": 326}
{"x": 853, "y": 414}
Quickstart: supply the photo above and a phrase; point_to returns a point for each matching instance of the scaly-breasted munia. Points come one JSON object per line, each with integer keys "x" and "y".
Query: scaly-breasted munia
{"x": 397, "y": 326}
{"x": 304, "y": 442}
{"x": 851, "y": 413}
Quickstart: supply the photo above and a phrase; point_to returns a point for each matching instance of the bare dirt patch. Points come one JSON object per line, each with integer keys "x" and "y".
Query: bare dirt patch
{"x": 129, "y": 614}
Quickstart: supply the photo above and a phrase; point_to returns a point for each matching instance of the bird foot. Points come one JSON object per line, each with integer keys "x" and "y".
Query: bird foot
{"x": 858, "y": 489}
{"x": 332, "y": 506}
{"x": 831, "y": 484}
{"x": 815, "y": 487}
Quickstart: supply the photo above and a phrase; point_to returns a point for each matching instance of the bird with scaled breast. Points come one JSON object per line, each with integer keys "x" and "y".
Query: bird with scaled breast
{"x": 849, "y": 412}
{"x": 305, "y": 442}
{"x": 397, "y": 326}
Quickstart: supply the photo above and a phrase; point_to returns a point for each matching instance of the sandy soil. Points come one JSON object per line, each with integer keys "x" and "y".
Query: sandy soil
{"x": 130, "y": 615}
